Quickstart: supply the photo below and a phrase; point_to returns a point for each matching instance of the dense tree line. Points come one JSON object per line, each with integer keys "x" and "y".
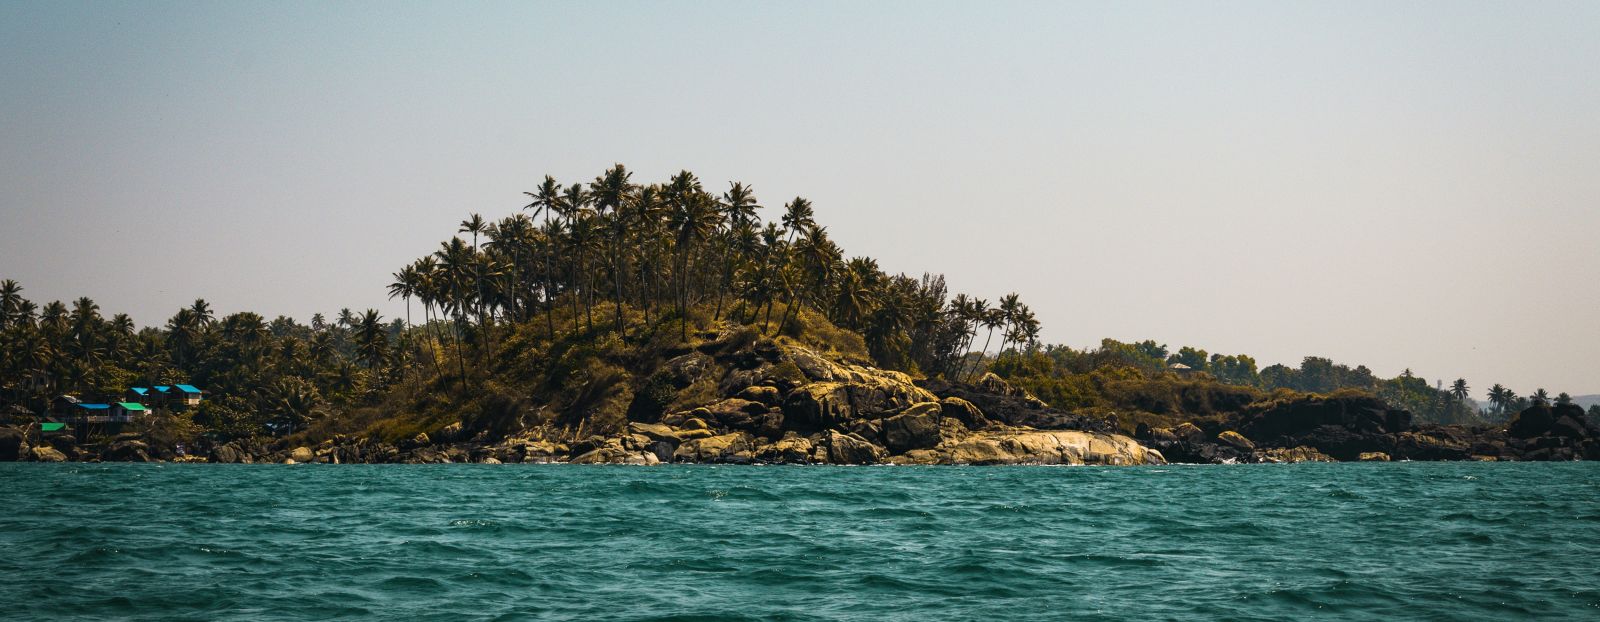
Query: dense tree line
{"x": 1084, "y": 377}
{"x": 255, "y": 371}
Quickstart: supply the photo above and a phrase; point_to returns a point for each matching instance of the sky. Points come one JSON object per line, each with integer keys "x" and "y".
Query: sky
{"x": 1395, "y": 184}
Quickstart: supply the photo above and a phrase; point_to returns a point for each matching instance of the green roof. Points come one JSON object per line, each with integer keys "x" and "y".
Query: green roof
{"x": 51, "y": 427}
{"x": 131, "y": 405}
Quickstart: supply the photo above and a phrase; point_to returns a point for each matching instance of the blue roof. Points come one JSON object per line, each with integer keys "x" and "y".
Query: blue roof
{"x": 163, "y": 388}
{"x": 140, "y": 390}
{"x": 186, "y": 388}
{"x": 95, "y": 406}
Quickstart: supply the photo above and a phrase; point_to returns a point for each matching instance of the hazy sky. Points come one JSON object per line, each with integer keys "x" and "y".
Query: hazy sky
{"x": 1396, "y": 184}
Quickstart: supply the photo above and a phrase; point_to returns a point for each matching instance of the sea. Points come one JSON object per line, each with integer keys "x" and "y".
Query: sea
{"x": 1359, "y": 541}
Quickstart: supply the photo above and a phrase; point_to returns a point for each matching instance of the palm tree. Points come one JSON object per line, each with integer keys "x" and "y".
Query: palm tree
{"x": 1497, "y": 396}
{"x": 1541, "y": 397}
{"x": 738, "y": 207}
{"x": 372, "y": 341}
{"x": 546, "y": 200}
{"x": 10, "y": 301}
{"x": 202, "y": 313}
{"x": 475, "y": 225}
{"x": 1010, "y": 309}
{"x": 1459, "y": 389}
{"x": 692, "y": 219}
{"x": 1563, "y": 399}
{"x": 797, "y": 215}
{"x": 574, "y": 208}
{"x": 610, "y": 192}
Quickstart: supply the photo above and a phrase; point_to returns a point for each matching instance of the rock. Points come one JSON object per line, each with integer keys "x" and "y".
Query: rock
{"x": 490, "y": 460}
{"x": 450, "y": 433}
{"x": 1292, "y": 455}
{"x": 684, "y": 370}
{"x": 1161, "y": 436}
{"x": 763, "y": 394}
{"x": 289, "y": 461}
{"x": 826, "y": 404}
{"x": 1374, "y": 456}
{"x": 613, "y": 451}
{"x": 231, "y": 453}
{"x": 302, "y": 455}
{"x": 420, "y": 440}
{"x": 1049, "y": 447}
{"x": 541, "y": 451}
{"x": 1532, "y": 421}
{"x": 1431, "y": 443}
{"x": 126, "y": 451}
{"x": 1236, "y": 440}
{"x": 694, "y": 433}
{"x": 737, "y": 414}
{"x": 791, "y": 449}
{"x": 844, "y": 448}
{"x": 46, "y": 453}
{"x": 916, "y": 428}
{"x": 1189, "y": 432}
{"x": 656, "y": 432}
{"x": 964, "y": 411}
{"x": 11, "y": 445}
{"x": 736, "y": 447}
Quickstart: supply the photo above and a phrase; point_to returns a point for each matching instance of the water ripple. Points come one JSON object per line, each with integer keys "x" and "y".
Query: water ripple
{"x": 1265, "y": 542}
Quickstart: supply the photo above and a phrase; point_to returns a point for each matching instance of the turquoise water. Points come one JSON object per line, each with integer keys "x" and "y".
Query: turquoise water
{"x": 1265, "y": 542}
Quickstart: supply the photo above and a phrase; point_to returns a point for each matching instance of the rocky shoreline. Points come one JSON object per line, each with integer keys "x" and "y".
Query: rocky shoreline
{"x": 786, "y": 404}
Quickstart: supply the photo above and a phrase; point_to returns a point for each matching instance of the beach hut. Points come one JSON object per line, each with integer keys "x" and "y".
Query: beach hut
{"x": 126, "y": 411}
{"x": 185, "y": 395}
{"x": 138, "y": 394}
{"x": 90, "y": 413}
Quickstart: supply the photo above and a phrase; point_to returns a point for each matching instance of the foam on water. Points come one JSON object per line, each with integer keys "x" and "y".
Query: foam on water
{"x": 1257, "y": 542}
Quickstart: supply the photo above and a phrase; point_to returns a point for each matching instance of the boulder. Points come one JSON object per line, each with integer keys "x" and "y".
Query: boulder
{"x": 1189, "y": 432}
{"x": 227, "y": 454}
{"x": 916, "y": 428}
{"x": 1049, "y": 447}
{"x": 1374, "y": 456}
{"x": 490, "y": 460}
{"x": 845, "y": 448}
{"x": 1292, "y": 455}
{"x": 46, "y": 453}
{"x": 964, "y": 411}
{"x": 656, "y": 432}
{"x": 735, "y": 447}
{"x": 791, "y": 449}
{"x": 763, "y": 394}
{"x": 302, "y": 455}
{"x": 126, "y": 451}
{"x": 1533, "y": 421}
{"x": 1236, "y": 440}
